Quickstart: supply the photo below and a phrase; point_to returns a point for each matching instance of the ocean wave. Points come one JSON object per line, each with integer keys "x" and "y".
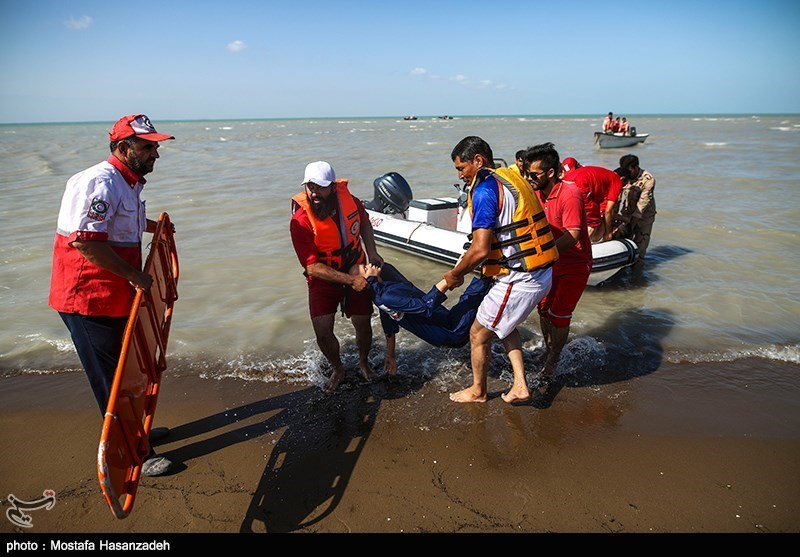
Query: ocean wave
{"x": 583, "y": 357}
{"x": 37, "y": 354}
{"x": 445, "y": 368}
{"x": 788, "y": 354}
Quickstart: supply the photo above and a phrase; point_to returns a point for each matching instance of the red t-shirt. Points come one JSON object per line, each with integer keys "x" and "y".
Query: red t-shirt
{"x": 564, "y": 211}
{"x": 599, "y": 186}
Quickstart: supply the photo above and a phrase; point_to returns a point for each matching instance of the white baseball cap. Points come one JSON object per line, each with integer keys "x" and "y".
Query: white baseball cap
{"x": 320, "y": 173}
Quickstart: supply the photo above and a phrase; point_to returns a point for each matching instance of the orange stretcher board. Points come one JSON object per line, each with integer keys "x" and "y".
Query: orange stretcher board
{"x": 134, "y": 392}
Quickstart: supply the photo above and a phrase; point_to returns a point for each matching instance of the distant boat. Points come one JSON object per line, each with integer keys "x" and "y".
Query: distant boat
{"x": 607, "y": 140}
{"x": 445, "y": 117}
{"x": 412, "y": 117}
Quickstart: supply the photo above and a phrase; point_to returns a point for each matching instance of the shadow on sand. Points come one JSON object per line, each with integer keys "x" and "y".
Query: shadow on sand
{"x": 311, "y": 464}
{"x": 319, "y": 441}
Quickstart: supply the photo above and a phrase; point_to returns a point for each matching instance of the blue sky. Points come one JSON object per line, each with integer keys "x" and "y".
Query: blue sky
{"x": 68, "y": 61}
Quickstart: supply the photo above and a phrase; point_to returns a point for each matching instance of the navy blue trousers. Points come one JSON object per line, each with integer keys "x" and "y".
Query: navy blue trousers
{"x": 98, "y": 341}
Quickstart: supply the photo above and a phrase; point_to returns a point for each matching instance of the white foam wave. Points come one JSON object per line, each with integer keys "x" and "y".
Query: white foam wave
{"x": 308, "y": 367}
{"x": 61, "y": 345}
{"x": 581, "y": 353}
{"x": 715, "y": 143}
{"x": 790, "y": 354}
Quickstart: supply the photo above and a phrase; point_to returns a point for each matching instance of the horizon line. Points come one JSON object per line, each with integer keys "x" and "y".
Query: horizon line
{"x": 424, "y": 116}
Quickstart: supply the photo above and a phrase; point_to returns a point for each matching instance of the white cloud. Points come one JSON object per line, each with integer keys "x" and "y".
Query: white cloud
{"x": 460, "y": 79}
{"x": 236, "y": 46}
{"x": 82, "y": 22}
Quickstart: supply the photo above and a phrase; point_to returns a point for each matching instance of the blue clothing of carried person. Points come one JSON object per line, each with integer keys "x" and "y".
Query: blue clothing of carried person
{"x": 403, "y": 305}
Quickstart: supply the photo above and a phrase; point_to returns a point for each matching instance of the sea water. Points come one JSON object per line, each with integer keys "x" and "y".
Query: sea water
{"x": 720, "y": 283}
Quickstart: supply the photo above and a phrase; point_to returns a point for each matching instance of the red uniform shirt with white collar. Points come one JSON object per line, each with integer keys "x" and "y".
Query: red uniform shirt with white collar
{"x": 100, "y": 204}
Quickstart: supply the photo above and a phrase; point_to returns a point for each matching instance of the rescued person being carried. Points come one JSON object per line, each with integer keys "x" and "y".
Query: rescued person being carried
{"x": 402, "y": 304}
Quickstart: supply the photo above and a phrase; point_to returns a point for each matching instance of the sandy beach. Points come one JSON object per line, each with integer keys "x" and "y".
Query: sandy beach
{"x": 397, "y": 456}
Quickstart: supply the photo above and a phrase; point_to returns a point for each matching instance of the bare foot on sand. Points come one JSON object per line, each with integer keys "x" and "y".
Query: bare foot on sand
{"x": 468, "y": 395}
{"x": 333, "y": 382}
{"x": 516, "y": 395}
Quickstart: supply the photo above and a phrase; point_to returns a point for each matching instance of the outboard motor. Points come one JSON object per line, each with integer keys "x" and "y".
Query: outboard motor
{"x": 392, "y": 194}
{"x": 633, "y": 131}
{"x": 462, "y": 195}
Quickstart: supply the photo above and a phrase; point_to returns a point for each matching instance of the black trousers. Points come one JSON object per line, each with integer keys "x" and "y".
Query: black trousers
{"x": 98, "y": 341}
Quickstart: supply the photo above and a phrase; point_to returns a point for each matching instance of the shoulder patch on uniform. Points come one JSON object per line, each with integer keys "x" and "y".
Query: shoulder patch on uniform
{"x": 98, "y": 209}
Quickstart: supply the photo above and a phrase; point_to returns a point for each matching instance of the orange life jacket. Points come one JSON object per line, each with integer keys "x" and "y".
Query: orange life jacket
{"x": 339, "y": 246}
{"x": 529, "y": 229}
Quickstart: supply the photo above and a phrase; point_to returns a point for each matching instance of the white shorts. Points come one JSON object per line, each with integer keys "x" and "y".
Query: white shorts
{"x": 510, "y": 303}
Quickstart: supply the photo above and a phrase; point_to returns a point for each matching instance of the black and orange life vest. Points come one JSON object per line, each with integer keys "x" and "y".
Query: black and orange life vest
{"x": 339, "y": 246}
{"x": 529, "y": 229}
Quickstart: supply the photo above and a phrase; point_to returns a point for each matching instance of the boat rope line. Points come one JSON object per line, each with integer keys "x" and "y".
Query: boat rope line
{"x": 412, "y": 232}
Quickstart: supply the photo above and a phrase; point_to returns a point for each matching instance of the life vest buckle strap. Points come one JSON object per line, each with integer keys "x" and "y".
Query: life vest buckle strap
{"x": 503, "y": 261}
{"x": 512, "y": 241}
{"x": 548, "y": 245}
{"x": 511, "y": 227}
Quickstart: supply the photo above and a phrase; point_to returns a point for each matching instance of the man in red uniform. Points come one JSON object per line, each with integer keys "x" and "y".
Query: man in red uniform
{"x": 601, "y": 189}
{"x": 97, "y": 256}
{"x": 563, "y": 205}
{"x": 328, "y": 226}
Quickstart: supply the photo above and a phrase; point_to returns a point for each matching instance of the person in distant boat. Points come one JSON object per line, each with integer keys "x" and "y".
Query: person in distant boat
{"x": 601, "y": 189}
{"x": 97, "y": 257}
{"x": 563, "y": 206}
{"x": 624, "y": 128}
{"x": 512, "y": 243}
{"x": 327, "y": 227}
{"x": 616, "y": 125}
{"x": 638, "y": 206}
{"x": 402, "y": 304}
{"x": 608, "y": 123}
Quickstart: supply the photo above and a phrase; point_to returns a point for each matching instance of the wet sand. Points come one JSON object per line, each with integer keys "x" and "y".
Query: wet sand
{"x": 652, "y": 454}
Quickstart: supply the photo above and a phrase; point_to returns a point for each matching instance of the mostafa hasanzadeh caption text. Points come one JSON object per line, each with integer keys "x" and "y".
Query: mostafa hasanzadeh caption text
{"x": 88, "y": 545}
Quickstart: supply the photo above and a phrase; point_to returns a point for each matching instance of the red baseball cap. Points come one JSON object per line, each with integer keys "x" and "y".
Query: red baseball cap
{"x": 569, "y": 164}
{"x": 138, "y": 125}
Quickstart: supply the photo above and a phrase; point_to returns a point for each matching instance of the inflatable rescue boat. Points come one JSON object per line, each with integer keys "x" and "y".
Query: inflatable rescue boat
{"x": 438, "y": 228}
